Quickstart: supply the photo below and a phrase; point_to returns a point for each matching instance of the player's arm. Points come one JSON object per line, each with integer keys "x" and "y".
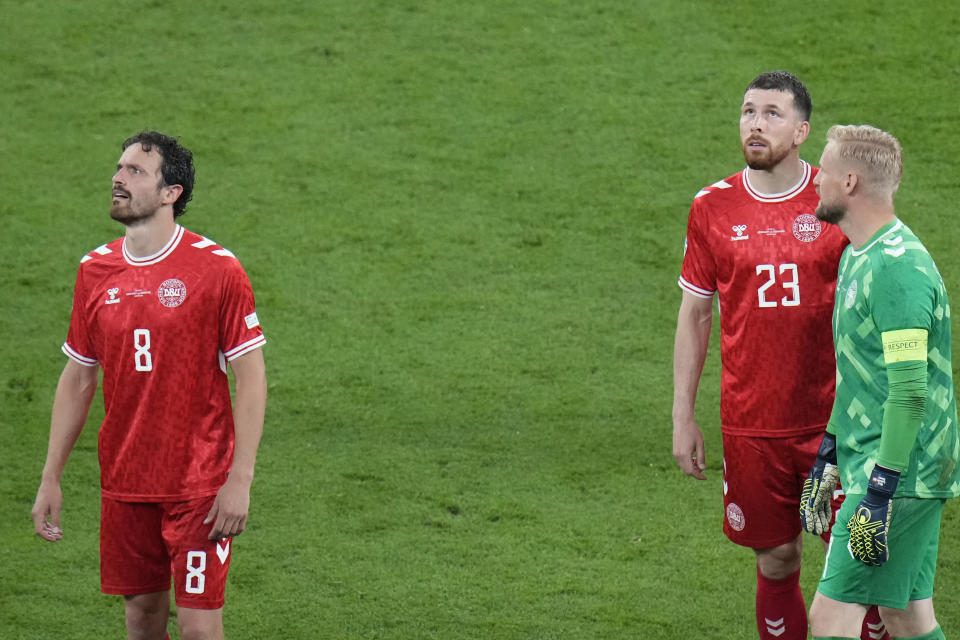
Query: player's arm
{"x": 689, "y": 354}
{"x": 229, "y": 511}
{"x": 71, "y": 404}
{"x": 905, "y": 354}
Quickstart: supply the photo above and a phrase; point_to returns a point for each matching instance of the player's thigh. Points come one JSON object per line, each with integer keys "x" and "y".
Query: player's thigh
{"x": 133, "y": 555}
{"x": 829, "y": 617}
{"x": 199, "y": 565}
{"x": 909, "y": 572}
{"x": 761, "y": 494}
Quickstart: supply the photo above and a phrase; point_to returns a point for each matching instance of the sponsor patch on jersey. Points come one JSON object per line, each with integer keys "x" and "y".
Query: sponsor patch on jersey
{"x": 112, "y": 292}
{"x": 771, "y": 231}
{"x": 735, "y": 517}
{"x": 851, "y": 297}
{"x": 904, "y": 345}
{"x": 172, "y": 292}
{"x": 739, "y": 229}
{"x": 252, "y": 320}
{"x": 807, "y": 227}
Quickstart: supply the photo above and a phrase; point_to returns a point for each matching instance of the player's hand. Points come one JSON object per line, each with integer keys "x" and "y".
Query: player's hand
{"x": 815, "y": 507}
{"x": 229, "y": 511}
{"x": 46, "y": 511}
{"x": 870, "y": 522}
{"x": 688, "y": 448}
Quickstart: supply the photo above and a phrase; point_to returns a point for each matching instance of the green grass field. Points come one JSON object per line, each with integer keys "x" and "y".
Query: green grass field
{"x": 463, "y": 223}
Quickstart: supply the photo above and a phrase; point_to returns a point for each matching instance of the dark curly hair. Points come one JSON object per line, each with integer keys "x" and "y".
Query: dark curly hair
{"x": 176, "y": 166}
{"x": 786, "y": 81}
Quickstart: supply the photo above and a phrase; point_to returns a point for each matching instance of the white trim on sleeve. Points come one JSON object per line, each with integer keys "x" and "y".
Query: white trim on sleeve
{"x": 73, "y": 355}
{"x": 693, "y": 289}
{"x": 246, "y": 347}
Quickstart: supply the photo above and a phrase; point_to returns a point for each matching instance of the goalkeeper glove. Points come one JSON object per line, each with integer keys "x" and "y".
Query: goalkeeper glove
{"x": 870, "y": 522}
{"x": 815, "y": 508}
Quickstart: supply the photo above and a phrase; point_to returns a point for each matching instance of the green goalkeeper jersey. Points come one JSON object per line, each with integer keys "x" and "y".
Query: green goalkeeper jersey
{"x": 891, "y": 283}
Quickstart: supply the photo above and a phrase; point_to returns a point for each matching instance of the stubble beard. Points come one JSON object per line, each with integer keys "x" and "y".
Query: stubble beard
{"x": 126, "y": 213}
{"x": 769, "y": 158}
{"x": 830, "y": 213}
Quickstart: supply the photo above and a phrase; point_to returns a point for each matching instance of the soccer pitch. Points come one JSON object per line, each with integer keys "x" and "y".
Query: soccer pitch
{"x": 463, "y": 223}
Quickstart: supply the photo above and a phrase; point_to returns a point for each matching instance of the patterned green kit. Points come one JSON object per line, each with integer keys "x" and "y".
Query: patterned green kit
{"x": 891, "y": 283}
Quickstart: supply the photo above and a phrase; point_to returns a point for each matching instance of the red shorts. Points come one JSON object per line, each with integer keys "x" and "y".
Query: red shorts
{"x": 762, "y": 482}
{"x": 145, "y": 544}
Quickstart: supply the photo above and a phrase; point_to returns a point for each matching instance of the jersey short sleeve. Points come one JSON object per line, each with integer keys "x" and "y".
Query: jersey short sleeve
{"x": 698, "y": 274}
{"x": 79, "y": 345}
{"x": 240, "y": 330}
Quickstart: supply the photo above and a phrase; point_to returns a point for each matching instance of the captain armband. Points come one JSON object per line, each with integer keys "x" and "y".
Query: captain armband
{"x": 904, "y": 345}
{"x": 905, "y": 353}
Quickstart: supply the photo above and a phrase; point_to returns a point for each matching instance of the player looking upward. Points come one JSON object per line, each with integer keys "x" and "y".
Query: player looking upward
{"x": 754, "y": 242}
{"x": 893, "y": 431}
{"x": 163, "y": 312}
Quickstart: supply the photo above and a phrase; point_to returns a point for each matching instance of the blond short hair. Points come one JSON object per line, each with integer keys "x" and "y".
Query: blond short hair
{"x": 874, "y": 150}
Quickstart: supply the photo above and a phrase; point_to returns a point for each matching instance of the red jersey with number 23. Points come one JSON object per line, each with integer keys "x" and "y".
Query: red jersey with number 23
{"x": 163, "y": 328}
{"x": 773, "y": 266}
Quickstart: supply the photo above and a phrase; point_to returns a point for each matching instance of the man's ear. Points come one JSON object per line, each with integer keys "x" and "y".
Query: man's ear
{"x": 803, "y": 130}
{"x": 171, "y": 193}
{"x": 851, "y": 183}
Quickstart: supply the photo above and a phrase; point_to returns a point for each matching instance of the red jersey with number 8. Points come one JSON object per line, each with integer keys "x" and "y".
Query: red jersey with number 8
{"x": 163, "y": 328}
{"x": 773, "y": 266}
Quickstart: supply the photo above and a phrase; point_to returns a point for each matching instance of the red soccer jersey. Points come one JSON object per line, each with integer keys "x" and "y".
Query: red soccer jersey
{"x": 163, "y": 328}
{"x": 773, "y": 265}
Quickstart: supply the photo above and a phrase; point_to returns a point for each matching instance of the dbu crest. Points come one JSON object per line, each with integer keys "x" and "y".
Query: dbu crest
{"x": 807, "y": 227}
{"x": 172, "y": 292}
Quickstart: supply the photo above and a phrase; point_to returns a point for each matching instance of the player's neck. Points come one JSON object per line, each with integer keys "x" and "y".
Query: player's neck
{"x": 149, "y": 237}
{"x": 779, "y": 179}
{"x": 860, "y": 228}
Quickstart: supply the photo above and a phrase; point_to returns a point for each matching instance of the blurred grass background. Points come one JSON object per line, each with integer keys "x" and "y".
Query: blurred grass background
{"x": 463, "y": 223}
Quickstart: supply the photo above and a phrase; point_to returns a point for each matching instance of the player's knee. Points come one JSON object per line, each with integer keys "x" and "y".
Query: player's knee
{"x": 780, "y": 562}
{"x": 146, "y": 616}
{"x": 914, "y": 621}
{"x": 200, "y": 632}
{"x": 200, "y": 624}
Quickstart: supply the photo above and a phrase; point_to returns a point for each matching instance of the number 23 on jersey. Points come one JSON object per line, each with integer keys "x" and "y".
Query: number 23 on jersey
{"x": 787, "y": 276}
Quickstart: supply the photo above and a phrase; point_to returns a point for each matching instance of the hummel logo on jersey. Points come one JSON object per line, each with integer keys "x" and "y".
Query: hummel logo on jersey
{"x": 739, "y": 229}
{"x": 223, "y": 550}
{"x": 112, "y": 292}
